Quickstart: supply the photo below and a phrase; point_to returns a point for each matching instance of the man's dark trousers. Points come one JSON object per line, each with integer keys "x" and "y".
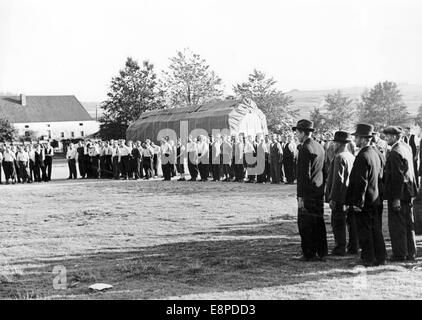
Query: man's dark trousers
{"x": 353, "y": 245}
{"x": 338, "y": 224}
{"x": 312, "y": 228}
{"x": 402, "y": 231}
{"x": 192, "y": 167}
{"x": 370, "y": 235}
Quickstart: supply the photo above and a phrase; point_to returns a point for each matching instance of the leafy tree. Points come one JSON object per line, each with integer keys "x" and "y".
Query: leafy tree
{"x": 189, "y": 81}
{"x": 340, "y": 111}
{"x": 131, "y": 93}
{"x": 383, "y": 106}
{"x": 30, "y": 135}
{"x": 319, "y": 119}
{"x": 276, "y": 105}
{"x": 7, "y": 131}
{"x": 418, "y": 118}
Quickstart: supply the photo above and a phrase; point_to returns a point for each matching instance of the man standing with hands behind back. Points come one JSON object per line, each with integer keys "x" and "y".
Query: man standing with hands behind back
{"x": 310, "y": 194}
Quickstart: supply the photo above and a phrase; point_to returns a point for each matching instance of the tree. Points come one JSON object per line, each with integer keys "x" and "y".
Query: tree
{"x": 30, "y": 135}
{"x": 418, "y": 118}
{"x": 132, "y": 92}
{"x": 319, "y": 119}
{"x": 7, "y": 131}
{"x": 276, "y": 105}
{"x": 189, "y": 81}
{"x": 383, "y": 106}
{"x": 340, "y": 112}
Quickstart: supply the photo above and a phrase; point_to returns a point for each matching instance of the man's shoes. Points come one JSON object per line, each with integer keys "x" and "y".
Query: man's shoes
{"x": 306, "y": 259}
{"x": 338, "y": 253}
{"x": 379, "y": 263}
{"x": 362, "y": 263}
{"x": 352, "y": 251}
{"x": 397, "y": 259}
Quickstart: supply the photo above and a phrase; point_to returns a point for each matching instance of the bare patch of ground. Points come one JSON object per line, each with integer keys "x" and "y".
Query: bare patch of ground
{"x": 187, "y": 240}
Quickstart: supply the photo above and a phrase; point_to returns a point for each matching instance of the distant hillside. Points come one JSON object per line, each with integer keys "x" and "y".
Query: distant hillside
{"x": 305, "y": 101}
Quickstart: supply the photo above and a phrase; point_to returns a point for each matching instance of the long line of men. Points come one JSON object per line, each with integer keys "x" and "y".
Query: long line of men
{"x": 355, "y": 184}
{"x": 221, "y": 157}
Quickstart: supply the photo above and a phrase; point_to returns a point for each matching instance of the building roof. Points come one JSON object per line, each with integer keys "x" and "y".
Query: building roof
{"x": 42, "y": 109}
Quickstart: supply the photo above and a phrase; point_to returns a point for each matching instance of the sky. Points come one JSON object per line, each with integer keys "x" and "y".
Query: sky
{"x": 54, "y": 47}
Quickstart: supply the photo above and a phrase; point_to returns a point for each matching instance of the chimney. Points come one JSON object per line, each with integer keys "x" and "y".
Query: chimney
{"x": 23, "y": 100}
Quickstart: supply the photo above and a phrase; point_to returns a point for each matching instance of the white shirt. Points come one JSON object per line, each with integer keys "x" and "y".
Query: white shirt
{"x": 115, "y": 151}
{"x": 192, "y": 147}
{"x": 8, "y": 157}
{"x": 147, "y": 152}
{"x": 32, "y": 155}
{"x": 22, "y": 156}
{"x": 71, "y": 153}
{"x": 124, "y": 151}
{"x": 203, "y": 148}
{"x": 49, "y": 152}
{"x": 166, "y": 148}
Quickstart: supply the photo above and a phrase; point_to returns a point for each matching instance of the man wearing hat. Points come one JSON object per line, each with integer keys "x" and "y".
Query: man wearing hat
{"x": 310, "y": 194}
{"x": 400, "y": 183}
{"x": 379, "y": 143}
{"x": 335, "y": 194}
{"x": 363, "y": 196}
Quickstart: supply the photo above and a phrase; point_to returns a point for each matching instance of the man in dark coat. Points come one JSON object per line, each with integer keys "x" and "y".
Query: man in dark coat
{"x": 410, "y": 139}
{"x": 336, "y": 191}
{"x": 310, "y": 194}
{"x": 400, "y": 188}
{"x": 363, "y": 196}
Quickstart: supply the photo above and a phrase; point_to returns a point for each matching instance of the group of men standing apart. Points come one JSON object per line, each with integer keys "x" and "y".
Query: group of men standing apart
{"x": 27, "y": 164}
{"x": 355, "y": 187}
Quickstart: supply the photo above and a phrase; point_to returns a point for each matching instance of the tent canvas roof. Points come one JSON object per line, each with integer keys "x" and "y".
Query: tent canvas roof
{"x": 219, "y": 115}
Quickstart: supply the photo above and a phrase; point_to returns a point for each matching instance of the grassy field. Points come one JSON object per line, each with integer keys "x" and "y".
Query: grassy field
{"x": 183, "y": 240}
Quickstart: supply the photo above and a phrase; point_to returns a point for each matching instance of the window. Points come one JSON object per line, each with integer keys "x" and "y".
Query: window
{"x": 81, "y": 124}
{"x": 48, "y": 125}
{"x": 82, "y": 134}
{"x": 26, "y": 133}
{"x": 62, "y": 134}
{"x": 49, "y": 134}
{"x": 26, "y": 126}
{"x": 72, "y": 134}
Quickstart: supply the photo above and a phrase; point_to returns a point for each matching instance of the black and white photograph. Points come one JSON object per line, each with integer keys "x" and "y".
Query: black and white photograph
{"x": 210, "y": 150}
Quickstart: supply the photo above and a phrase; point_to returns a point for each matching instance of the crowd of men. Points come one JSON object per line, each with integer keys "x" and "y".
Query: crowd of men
{"x": 220, "y": 157}
{"x": 355, "y": 177}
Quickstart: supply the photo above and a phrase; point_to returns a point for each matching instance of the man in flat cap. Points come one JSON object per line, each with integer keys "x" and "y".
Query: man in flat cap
{"x": 363, "y": 197}
{"x": 310, "y": 194}
{"x": 400, "y": 188}
{"x": 335, "y": 194}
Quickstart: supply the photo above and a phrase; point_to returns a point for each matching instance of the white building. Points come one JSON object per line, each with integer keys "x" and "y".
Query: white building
{"x": 51, "y": 117}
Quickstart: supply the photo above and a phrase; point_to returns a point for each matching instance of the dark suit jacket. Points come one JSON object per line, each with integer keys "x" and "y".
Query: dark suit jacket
{"x": 400, "y": 181}
{"x": 364, "y": 179}
{"x": 310, "y": 164}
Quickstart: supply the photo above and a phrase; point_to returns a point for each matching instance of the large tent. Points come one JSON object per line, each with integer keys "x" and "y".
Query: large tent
{"x": 225, "y": 117}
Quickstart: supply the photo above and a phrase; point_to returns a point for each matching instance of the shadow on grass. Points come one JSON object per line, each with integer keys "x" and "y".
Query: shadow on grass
{"x": 181, "y": 268}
